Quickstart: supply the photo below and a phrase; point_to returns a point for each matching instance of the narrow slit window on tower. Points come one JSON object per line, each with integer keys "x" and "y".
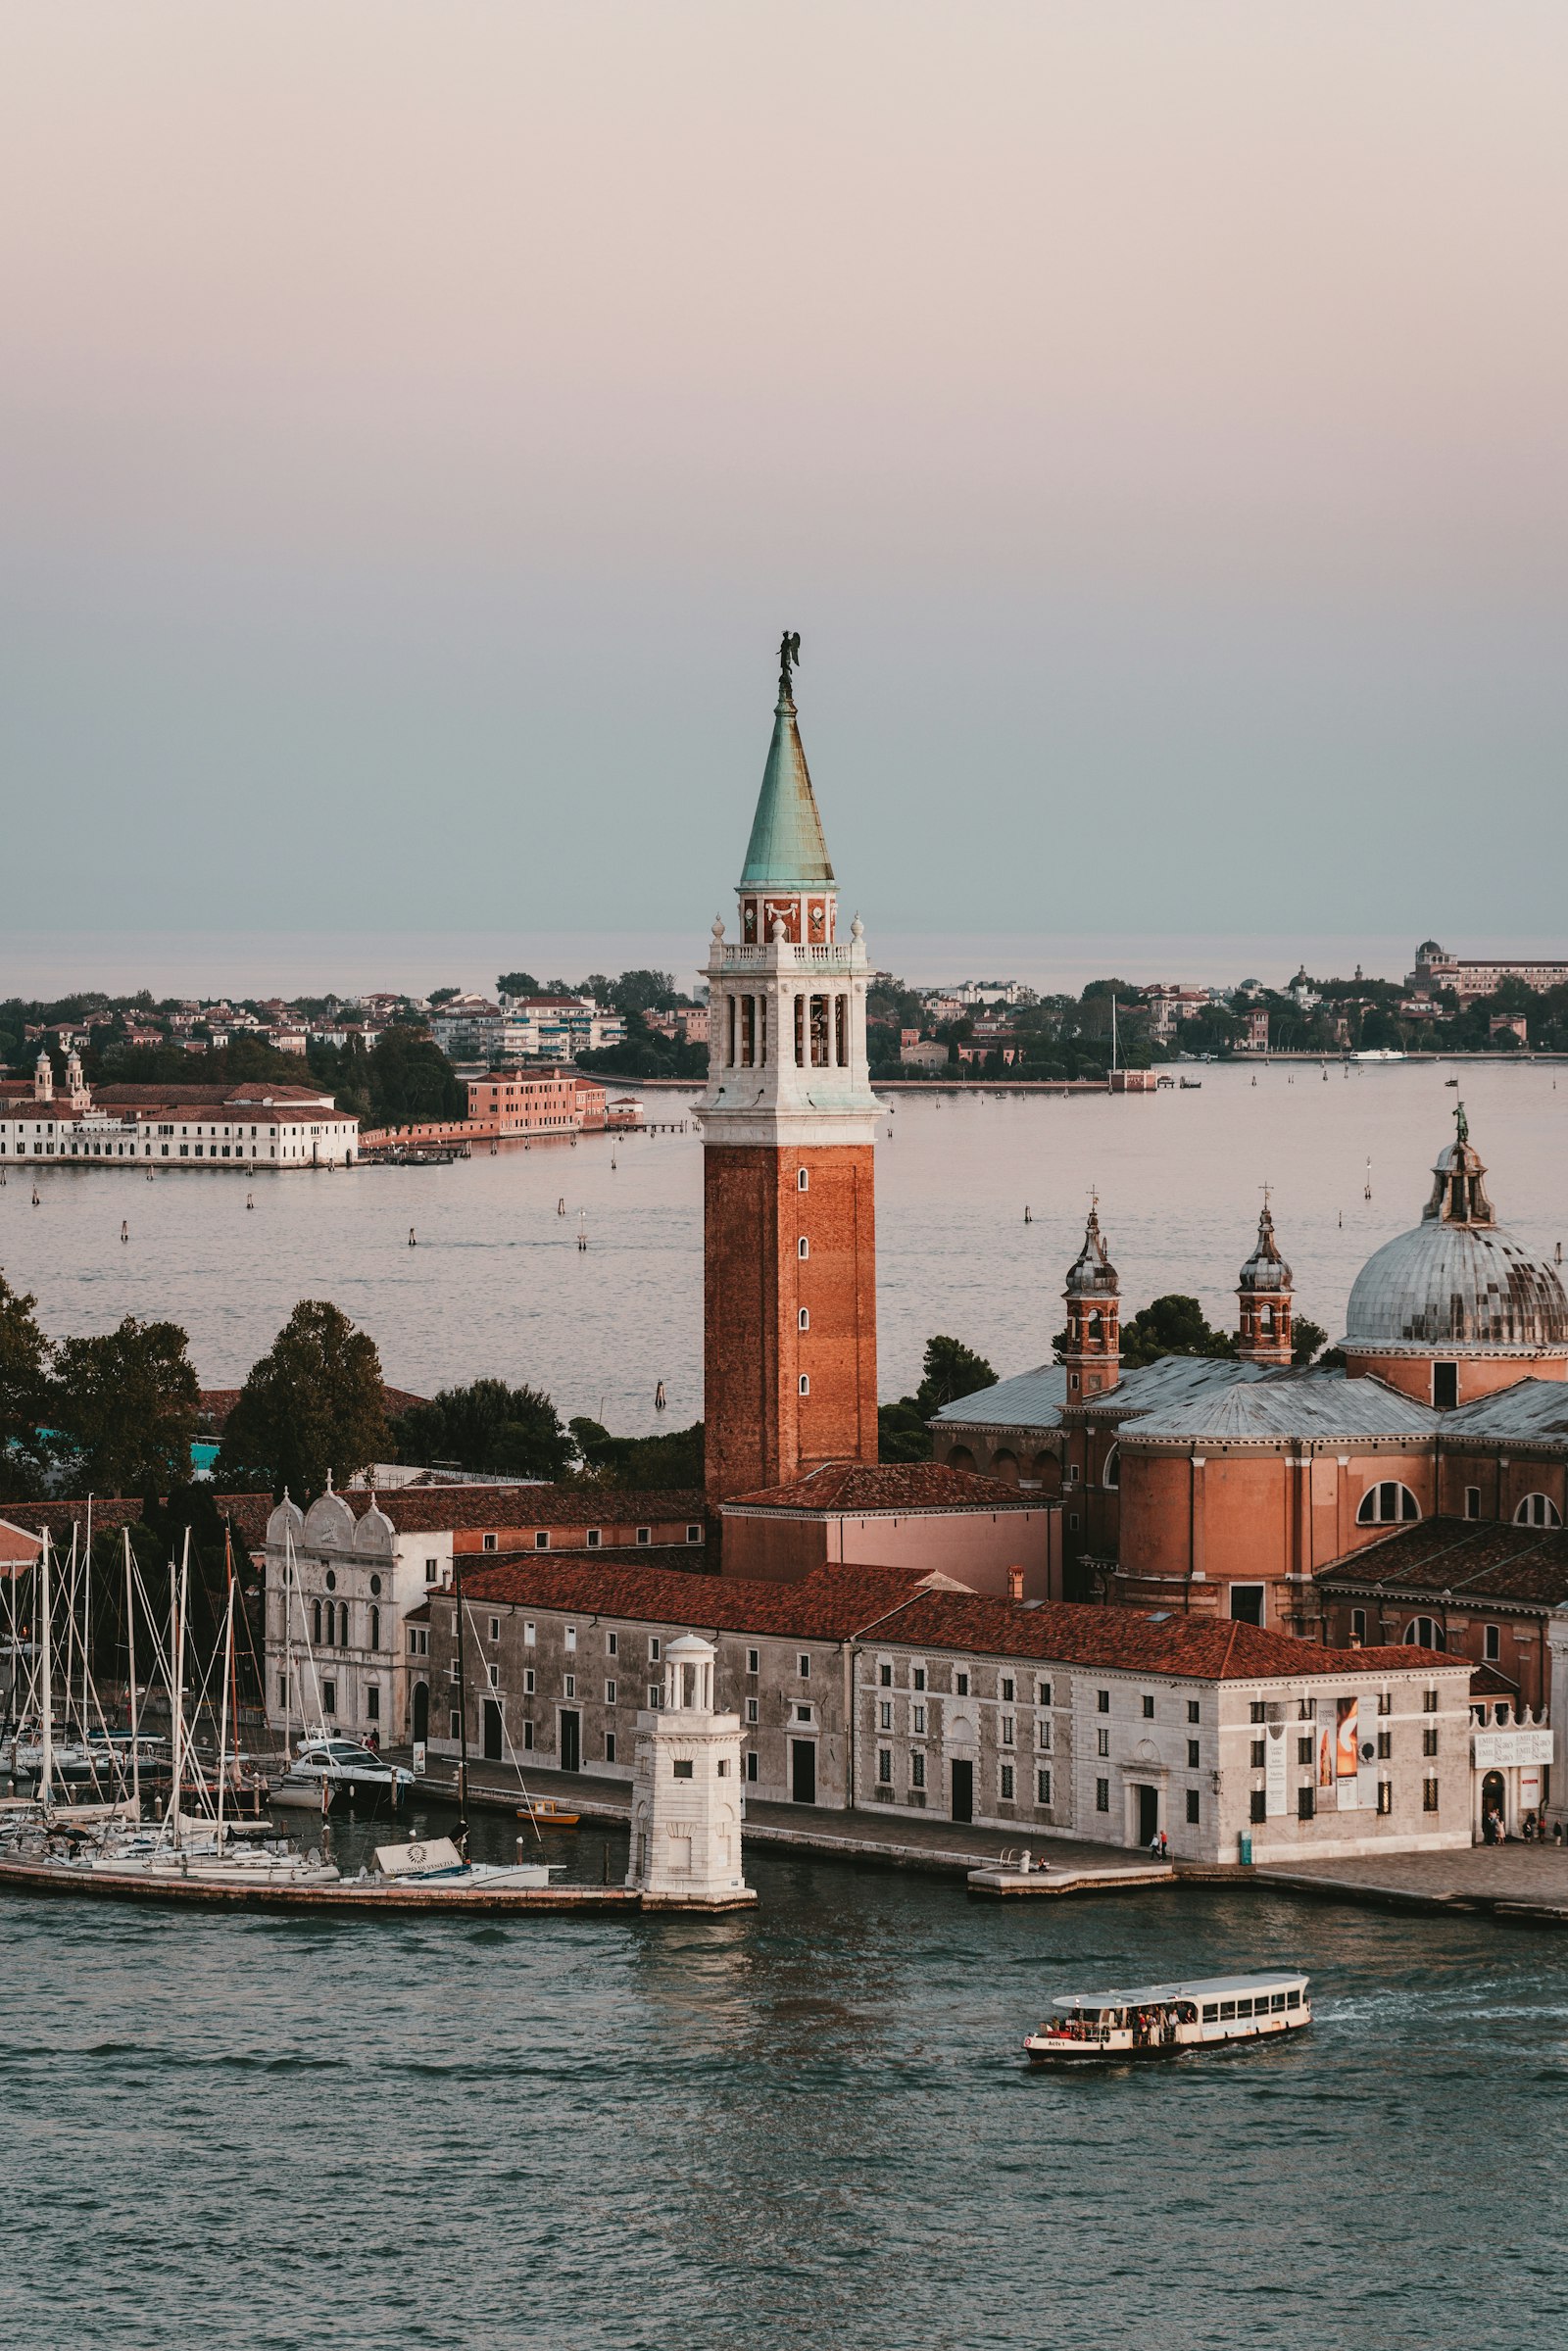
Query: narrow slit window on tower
{"x": 747, "y": 1032}
{"x": 805, "y": 1383}
{"x": 819, "y": 1040}
{"x": 803, "y": 1248}
{"x": 730, "y": 1056}
{"x": 803, "y": 1179}
{"x": 841, "y": 1031}
{"x": 804, "y": 1319}
{"x": 800, "y": 1032}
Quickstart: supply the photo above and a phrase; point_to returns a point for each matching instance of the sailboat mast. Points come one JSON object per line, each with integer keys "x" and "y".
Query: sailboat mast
{"x": 228, "y": 1666}
{"x": 46, "y": 1669}
{"x": 130, "y": 1658}
{"x": 463, "y": 1716}
{"x": 86, "y": 1621}
{"x": 179, "y": 1683}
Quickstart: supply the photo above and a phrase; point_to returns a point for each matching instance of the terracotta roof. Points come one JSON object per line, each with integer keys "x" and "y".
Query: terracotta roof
{"x": 217, "y": 1404}
{"x": 1132, "y": 1641}
{"x": 439, "y": 1509}
{"x": 249, "y": 1512}
{"x": 832, "y": 1604}
{"x": 1479, "y": 1563}
{"x": 200, "y": 1097}
{"x": 1486, "y": 1683}
{"x": 861, "y": 1489}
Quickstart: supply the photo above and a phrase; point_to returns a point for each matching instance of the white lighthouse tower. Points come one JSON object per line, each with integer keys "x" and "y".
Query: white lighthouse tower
{"x": 686, "y": 1791}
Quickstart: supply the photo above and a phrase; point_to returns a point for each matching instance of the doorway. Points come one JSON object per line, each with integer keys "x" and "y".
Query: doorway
{"x": 421, "y": 1712}
{"x": 1493, "y": 1800}
{"x": 963, "y": 1791}
{"x": 802, "y": 1770}
{"x": 570, "y": 1740}
{"x": 492, "y": 1731}
{"x": 1147, "y": 1814}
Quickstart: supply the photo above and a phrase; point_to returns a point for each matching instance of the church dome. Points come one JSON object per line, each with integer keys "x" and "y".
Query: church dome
{"x": 1092, "y": 1274}
{"x": 1459, "y": 1280}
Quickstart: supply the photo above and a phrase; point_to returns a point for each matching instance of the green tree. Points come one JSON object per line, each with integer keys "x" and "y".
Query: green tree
{"x": 517, "y": 983}
{"x": 650, "y": 1464}
{"x": 23, "y": 1382}
{"x": 124, "y": 1407}
{"x": 442, "y": 995}
{"x": 951, "y": 1370}
{"x": 410, "y": 1079}
{"x": 513, "y": 1432}
{"x": 1307, "y": 1338}
{"x": 645, "y": 1054}
{"x": 313, "y": 1405}
{"x": 1172, "y": 1325}
{"x": 645, "y": 992}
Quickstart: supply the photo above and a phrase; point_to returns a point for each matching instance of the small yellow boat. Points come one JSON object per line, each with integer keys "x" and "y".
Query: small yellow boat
{"x": 546, "y": 1813}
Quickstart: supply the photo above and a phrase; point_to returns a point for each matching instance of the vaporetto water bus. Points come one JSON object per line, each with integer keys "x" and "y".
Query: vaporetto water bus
{"x": 1160, "y": 2020}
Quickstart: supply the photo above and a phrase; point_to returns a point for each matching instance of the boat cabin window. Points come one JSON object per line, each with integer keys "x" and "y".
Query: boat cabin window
{"x": 1277, "y": 2003}
{"x": 1211, "y": 2012}
{"x": 1244, "y": 2007}
{"x": 1227, "y": 2011}
{"x": 1292, "y": 2000}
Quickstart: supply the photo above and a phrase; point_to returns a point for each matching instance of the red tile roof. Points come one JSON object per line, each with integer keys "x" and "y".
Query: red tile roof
{"x": 440, "y": 1509}
{"x": 832, "y": 1604}
{"x": 864, "y": 1488}
{"x": 1478, "y": 1561}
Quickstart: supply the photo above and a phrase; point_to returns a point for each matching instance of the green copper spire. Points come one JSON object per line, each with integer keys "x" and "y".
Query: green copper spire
{"x": 786, "y": 850}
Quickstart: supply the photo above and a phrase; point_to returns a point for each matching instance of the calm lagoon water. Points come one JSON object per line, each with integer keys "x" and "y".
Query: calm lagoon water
{"x": 807, "y": 2126}
{"x": 497, "y": 1284}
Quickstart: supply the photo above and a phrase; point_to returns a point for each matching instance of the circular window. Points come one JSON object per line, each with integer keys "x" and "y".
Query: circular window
{"x": 331, "y": 1579}
{"x": 375, "y": 1587}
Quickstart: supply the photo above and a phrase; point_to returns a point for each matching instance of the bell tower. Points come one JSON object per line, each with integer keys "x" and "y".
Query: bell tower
{"x": 788, "y": 1124}
{"x": 1093, "y": 1297}
{"x": 1263, "y": 1293}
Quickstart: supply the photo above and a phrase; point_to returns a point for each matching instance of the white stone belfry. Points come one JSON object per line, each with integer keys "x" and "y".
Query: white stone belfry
{"x": 686, "y": 1791}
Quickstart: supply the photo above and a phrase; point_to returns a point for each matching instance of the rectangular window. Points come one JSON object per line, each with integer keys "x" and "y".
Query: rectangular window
{"x": 1102, "y": 1701}
{"x": 917, "y": 1721}
{"x": 1358, "y": 1625}
{"x": 571, "y": 1685}
{"x": 1385, "y": 1795}
{"x": 1305, "y": 1803}
{"x": 1472, "y": 1502}
{"x": 1385, "y": 1746}
{"x": 917, "y": 1677}
{"x": 1102, "y": 1795}
{"x": 1191, "y": 1755}
{"x": 541, "y": 1540}
{"x": 489, "y": 1542}
{"x": 1102, "y": 1743}
{"x": 1259, "y": 1753}
{"x": 1384, "y": 1702}
{"x": 752, "y": 1714}
{"x": 572, "y": 1637}
{"x": 753, "y": 1661}
{"x": 884, "y": 1674}
{"x": 652, "y": 1696}
{"x": 1042, "y": 1730}
{"x": 1258, "y": 1806}
{"x": 494, "y": 1673}
{"x": 1257, "y": 1713}
{"x": 1306, "y": 1710}
{"x": 751, "y": 1768}
{"x": 802, "y": 1714}
{"x": 1492, "y": 1643}
{"x": 1149, "y": 1707}
{"x": 1042, "y": 1787}
{"x": 1429, "y": 1701}
{"x": 804, "y": 1667}
{"x": 1006, "y": 1783}
{"x": 885, "y": 1715}
{"x": 1008, "y": 1730}
{"x": 609, "y": 1746}
{"x": 645, "y": 1535}
{"x": 593, "y": 1539}
{"x": 1192, "y": 1807}
{"x": 1304, "y": 1750}
{"x": 528, "y": 1682}
{"x": 1042, "y": 1697}
{"x": 612, "y": 1644}
{"x": 454, "y": 1724}
{"x": 694, "y": 1533}
{"x": 653, "y": 1651}
{"x": 1429, "y": 1742}
{"x": 609, "y": 1694}
{"x": 530, "y": 1636}
{"x": 917, "y": 1771}
{"x": 960, "y": 1685}
{"x": 431, "y": 1566}
{"x": 681, "y": 1768}
{"x": 1194, "y": 1710}
{"x": 528, "y": 1738}
{"x": 1429, "y": 1796}
{"x": 884, "y": 1767}
{"x": 495, "y": 1628}
{"x": 1007, "y": 1690}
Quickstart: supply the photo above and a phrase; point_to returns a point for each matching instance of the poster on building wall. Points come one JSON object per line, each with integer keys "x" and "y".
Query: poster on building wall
{"x": 1275, "y": 1791}
{"x": 1346, "y": 1752}
{"x": 1325, "y": 1757}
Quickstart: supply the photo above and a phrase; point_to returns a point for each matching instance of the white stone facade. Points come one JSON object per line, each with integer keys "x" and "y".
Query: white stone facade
{"x": 353, "y": 1664}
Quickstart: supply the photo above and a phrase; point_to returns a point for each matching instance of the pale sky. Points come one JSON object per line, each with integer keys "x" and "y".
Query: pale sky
{"x": 418, "y": 418}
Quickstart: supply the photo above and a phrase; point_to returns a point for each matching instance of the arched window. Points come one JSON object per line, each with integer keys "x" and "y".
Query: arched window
{"x": 1095, "y": 1329}
{"x": 960, "y": 1457}
{"x": 1386, "y": 1505}
{"x": 376, "y": 1628}
{"x": 315, "y": 1623}
{"x": 1112, "y": 1469}
{"x": 1424, "y": 1633}
{"x": 1537, "y": 1510}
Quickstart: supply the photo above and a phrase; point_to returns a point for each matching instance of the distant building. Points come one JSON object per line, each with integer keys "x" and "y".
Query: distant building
{"x": 1254, "y": 1037}
{"x": 1509, "y": 1024}
{"x": 260, "y": 1126}
{"x": 1170, "y": 1005}
{"x": 927, "y": 1056}
{"x": 1473, "y": 977}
